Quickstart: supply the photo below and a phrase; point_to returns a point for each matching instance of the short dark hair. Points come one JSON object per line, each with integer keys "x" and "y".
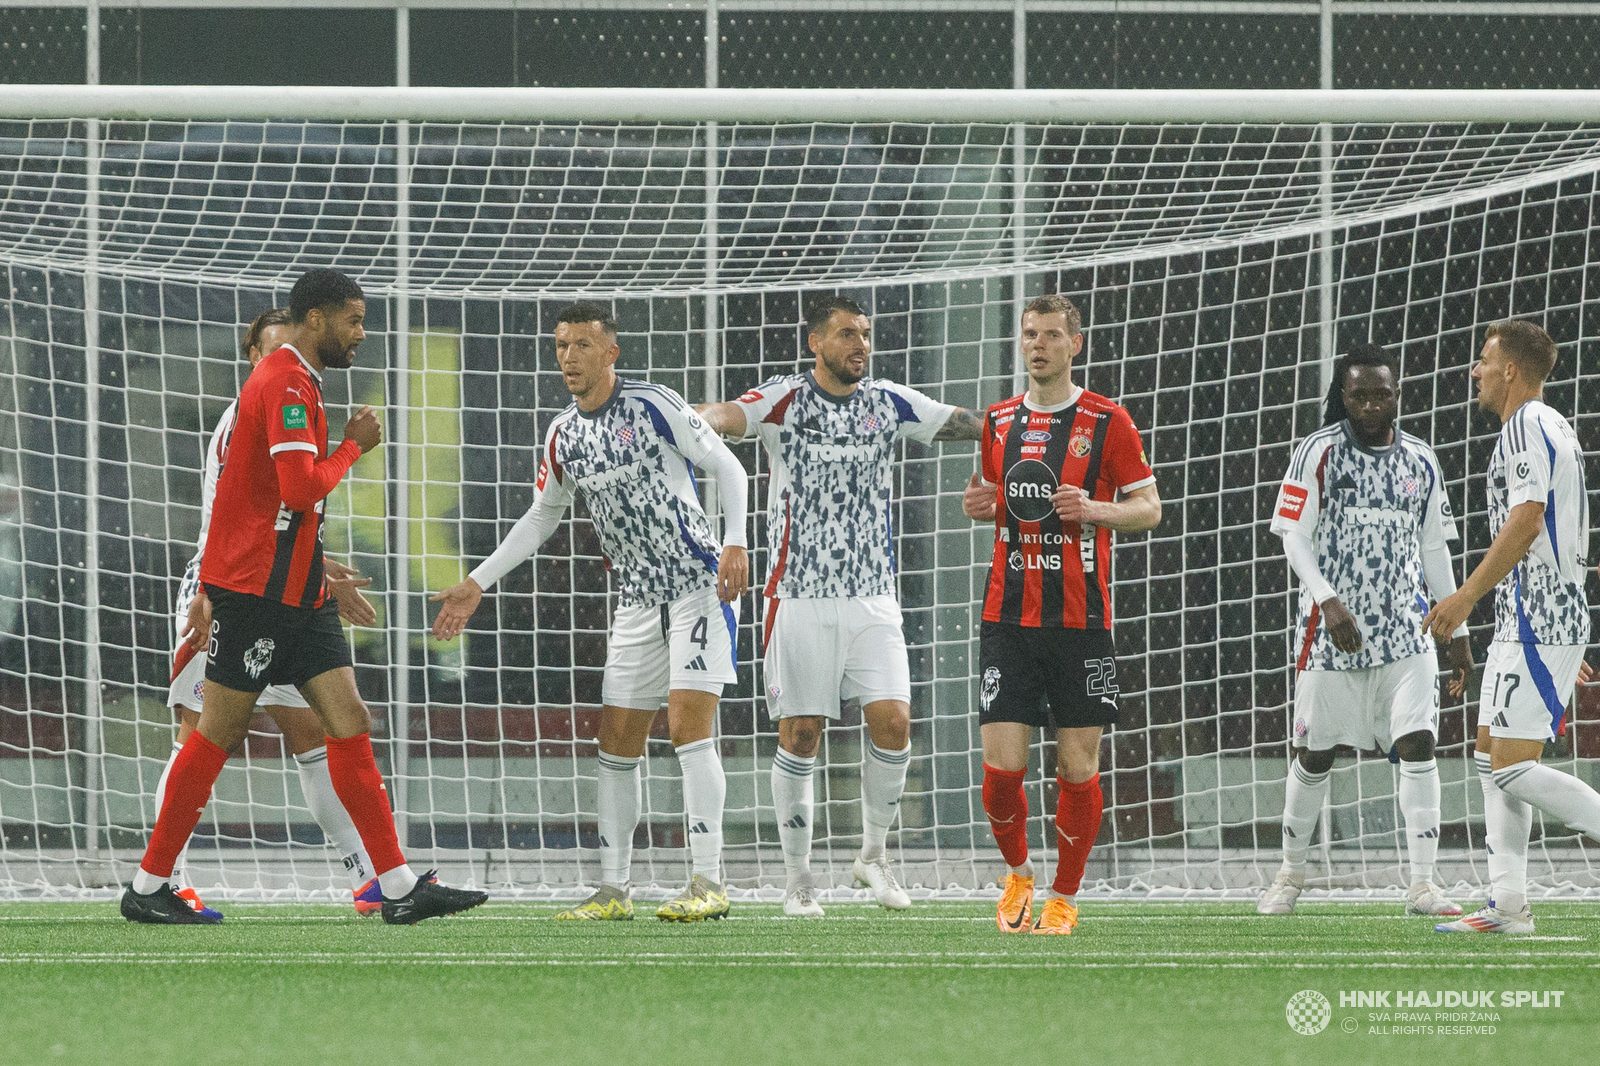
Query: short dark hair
{"x": 819, "y": 310}
{"x": 320, "y": 287}
{"x": 585, "y": 311}
{"x": 1333, "y": 408}
{"x": 1056, "y": 304}
{"x": 1526, "y": 344}
{"x": 278, "y": 316}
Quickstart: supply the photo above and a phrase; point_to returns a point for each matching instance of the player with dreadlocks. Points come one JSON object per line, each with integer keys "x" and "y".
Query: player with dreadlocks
{"x": 1365, "y": 524}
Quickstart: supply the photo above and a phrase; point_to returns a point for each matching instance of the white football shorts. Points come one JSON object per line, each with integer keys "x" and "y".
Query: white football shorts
{"x": 1367, "y": 708}
{"x": 688, "y": 643}
{"x": 821, "y": 652}
{"x": 1526, "y": 688}
{"x": 189, "y": 686}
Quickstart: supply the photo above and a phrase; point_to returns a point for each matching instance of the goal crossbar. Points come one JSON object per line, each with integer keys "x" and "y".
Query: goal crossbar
{"x": 438, "y": 104}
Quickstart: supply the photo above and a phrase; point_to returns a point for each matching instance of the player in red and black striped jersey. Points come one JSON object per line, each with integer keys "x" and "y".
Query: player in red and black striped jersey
{"x": 271, "y": 621}
{"x": 1062, "y": 469}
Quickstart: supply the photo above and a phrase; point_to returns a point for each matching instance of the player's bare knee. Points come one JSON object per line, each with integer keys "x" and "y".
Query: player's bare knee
{"x": 1415, "y": 747}
{"x": 889, "y": 723}
{"x": 1316, "y": 762}
{"x": 800, "y": 736}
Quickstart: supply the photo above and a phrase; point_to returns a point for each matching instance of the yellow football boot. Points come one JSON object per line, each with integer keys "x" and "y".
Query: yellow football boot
{"x": 607, "y": 905}
{"x": 1059, "y": 918}
{"x": 704, "y": 899}
{"x": 1016, "y": 904}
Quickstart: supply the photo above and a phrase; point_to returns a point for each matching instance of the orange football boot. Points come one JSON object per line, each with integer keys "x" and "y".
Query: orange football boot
{"x": 1016, "y": 904}
{"x": 1058, "y": 917}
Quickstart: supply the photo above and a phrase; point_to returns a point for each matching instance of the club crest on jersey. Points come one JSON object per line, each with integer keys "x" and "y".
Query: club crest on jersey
{"x": 1300, "y": 727}
{"x": 294, "y": 416}
{"x": 871, "y": 423}
{"x": 259, "y": 657}
{"x": 1078, "y": 446}
{"x": 1409, "y": 486}
{"x": 625, "y": 435}
{"x": 1035, "y": 436}
{"x": 991, "y": 686}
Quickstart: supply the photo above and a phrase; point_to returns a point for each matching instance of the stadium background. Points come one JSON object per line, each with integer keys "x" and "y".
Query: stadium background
{"x": 1219, "y": 359}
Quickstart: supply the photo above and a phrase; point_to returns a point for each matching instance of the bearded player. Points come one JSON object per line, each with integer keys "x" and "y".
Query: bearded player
{"x": 301, "y": 729}
{"x": 628, "y": 446}
{"x": 1062, "y": 468}
{"x": 1536, "y": 564}
{"x": 1366, "y": 527}
{"x": 271, "y": 620}
{"x": 832, "y": 623}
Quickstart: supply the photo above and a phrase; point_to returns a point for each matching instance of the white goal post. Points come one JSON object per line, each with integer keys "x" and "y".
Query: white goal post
{"x": 1223, "y": 246}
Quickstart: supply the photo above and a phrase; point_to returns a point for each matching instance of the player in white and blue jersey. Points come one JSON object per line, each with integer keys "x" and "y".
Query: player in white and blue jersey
{"x": 1536, "y": 563}
{"x": 1366, "y": 527}
{"x": 832, "y": 622}
{"x": 627, "y": 446}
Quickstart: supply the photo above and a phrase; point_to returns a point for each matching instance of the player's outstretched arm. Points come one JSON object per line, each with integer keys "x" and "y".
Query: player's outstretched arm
{"x": 1510, "y": 545}
{"x": 459, "y": 600}
{"x": 532, "y": 529}
{"x": 961, "y": 425}
{"x": 727, "y": 419}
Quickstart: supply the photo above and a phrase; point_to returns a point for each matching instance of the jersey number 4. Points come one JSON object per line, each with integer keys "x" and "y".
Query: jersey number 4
{"x": 697, "y": 635}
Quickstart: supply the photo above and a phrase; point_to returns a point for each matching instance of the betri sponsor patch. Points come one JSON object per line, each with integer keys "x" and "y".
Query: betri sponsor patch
{"x": 294, "y": 416}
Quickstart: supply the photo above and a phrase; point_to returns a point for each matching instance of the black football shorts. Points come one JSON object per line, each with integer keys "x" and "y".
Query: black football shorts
{"x": 256, "y": 642}
{"x": 1052, "y": 678}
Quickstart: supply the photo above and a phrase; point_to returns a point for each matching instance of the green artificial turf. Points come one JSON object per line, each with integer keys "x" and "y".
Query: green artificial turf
{"x": 1165, "y": 984}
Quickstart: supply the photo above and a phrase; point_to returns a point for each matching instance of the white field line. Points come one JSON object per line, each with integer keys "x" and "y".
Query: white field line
{"x": 1094, "y": 915}
{"x": 649, "y": 957}
{"x": 815, "y": 964}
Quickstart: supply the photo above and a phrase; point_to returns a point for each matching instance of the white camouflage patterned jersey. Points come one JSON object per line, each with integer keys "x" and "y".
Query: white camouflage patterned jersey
{"x": 630, "y": 458}
{"x": 829, "y": 528}
{"x": 216, "y": 455}
{"x": 1370, "y": 512}
{"x": 1538, "y": 460}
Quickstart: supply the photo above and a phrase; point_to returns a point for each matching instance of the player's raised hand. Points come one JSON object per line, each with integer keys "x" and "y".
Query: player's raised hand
{"x": 364, "y": 429}
{"x": 1460, "y": 656}
{"x": 459, "y": 603}
{"x": 978, "y": 499}
{"x": 1447, "y": 616}
{"x": 346, "y": 583}
{"x": 1342, "y": 628}
{"x": 1586, "y": 673}
{"x": 198, "y": 635}
{"x": 733, "y": 573}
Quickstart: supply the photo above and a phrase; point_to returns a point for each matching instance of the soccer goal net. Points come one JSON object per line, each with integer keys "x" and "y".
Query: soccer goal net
{"x": 1219, "y": 265}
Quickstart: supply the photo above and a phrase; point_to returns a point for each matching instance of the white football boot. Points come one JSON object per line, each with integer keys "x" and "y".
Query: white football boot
{"x": 877, "y": 876}
{"x": 1491, "y": 919}
{"x": 1280, "y": 896}
{"x": 800, "y": 900}
{"x": 1424, "y": 898}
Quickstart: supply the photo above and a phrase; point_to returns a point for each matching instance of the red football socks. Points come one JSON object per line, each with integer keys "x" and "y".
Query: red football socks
{"x": 1007, "y": 808}
{"x": 360, "y": 788}
{"x": 1078, "y": 810}
{"x": 194, "y": 771}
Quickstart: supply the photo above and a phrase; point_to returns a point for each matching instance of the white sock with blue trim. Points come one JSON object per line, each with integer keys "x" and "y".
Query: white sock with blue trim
{"x": 1419, "y": 806}
{"x": 316, "y": 784}
{"x": 617, "y": 805}
{"x": 792, "y": 805}
{"x": 1507, "y": 821}
{"x": 1553, "y": 792}
{"x": 1303, "y": 794}
{"x": 705, "y": 793}
{"x": 883, "y": 781}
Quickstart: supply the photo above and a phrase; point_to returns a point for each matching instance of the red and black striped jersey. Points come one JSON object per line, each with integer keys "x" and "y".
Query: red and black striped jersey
{"x": 257, "y": 544}
{"x": 1047, "y": 572}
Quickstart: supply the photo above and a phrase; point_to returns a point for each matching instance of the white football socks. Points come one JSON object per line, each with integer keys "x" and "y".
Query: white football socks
{"x": 1553, "y": 792}
{"x": 150, "y": 881}
{"x": 705, "y": 793}
{"x": 1419, "y": 806}
{"x": 317, "y": 787}
{"x": 618, "y": 803}
{"x": 792, "y": 804}
{"x": 398, "y": 882}
{"x": 1507, "y": 821}
{"x": 883, "y": 780}
{"x": 1303, "y": 794}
